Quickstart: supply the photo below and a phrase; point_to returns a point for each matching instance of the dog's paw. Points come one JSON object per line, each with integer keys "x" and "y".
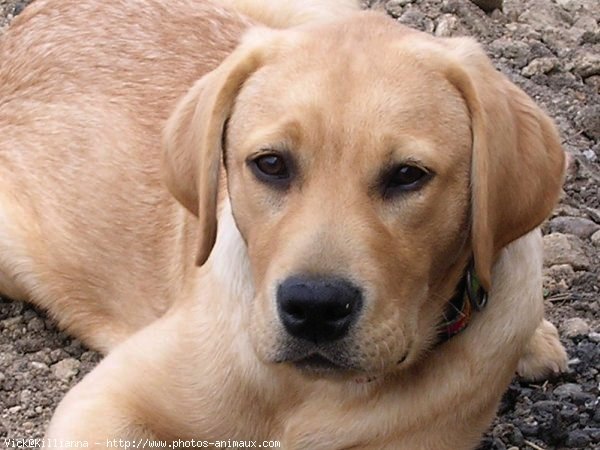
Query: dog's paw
{"x": 544, "y": 355}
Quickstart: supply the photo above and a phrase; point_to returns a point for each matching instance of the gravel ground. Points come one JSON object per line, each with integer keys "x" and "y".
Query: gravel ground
{"x": 551, "y": 48}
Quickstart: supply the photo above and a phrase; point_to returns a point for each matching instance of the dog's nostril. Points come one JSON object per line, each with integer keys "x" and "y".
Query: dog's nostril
{"x": 320, "y": 309}
{"x": 294, "y": 310}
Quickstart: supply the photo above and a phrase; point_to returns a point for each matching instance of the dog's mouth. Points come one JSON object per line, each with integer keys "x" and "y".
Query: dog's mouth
{"x": 317, "y": 363}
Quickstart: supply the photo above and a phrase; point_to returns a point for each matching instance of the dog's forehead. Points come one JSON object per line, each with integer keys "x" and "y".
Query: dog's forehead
{"x": 353, "y": 83}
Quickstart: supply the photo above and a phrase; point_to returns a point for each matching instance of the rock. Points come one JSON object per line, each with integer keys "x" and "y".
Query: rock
{"x": 574, "y": 327}
{"x": 397, "y": 3}
{"x": 565, "y": 249}
{"x": 596, "y": 238}
{"x": 540, "y": 66}
{"x": 13, "y": 323}
{"x": 567, "y": 210}
{"x": 25, "y": 397}
{"x": 594, "y": 337}
{"x": 14, "y": 409}
{"x": 471, "y": 16}
{"x": 577, "y": 226}
{"x": 74, "y": 349}
{"x": 590, "y": 155}
{"x": 586, "y": 23}
{"x": 551, "y": 406}
{"x": 543, "y": 15}
{"x": 561, "y": 272}
{"x": 39, "y": 366}
{"x": 416, "y": 19}
{"x": 594, "y": 82}
{"x": 488, "y": 5}
{"x": 395, "y": 7}
{"x": 447, "y": 26}
{"x": 590, "y": 37}
{"x": 587, "y": 64}
{"x": 66, "y": 369}
{"x": 517, "y": 52}
{"x": 578, "y": 439}
{"x": 57, "y": 354}
{"x": 566, "y": 4}
{"x": 36, "y": 324}
{"x": 589, "y": 121}
{"x": 567, "y": 390}
{"x": 523, "y": 31}
{"x": 593, "y": 213}
{"x": 509, "y": 433}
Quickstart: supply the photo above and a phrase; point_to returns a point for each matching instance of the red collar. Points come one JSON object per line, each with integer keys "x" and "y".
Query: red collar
{"x": 470, "y": 296}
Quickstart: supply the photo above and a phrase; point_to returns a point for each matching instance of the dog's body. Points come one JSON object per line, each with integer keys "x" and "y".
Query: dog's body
{"x": 89, "y": 232}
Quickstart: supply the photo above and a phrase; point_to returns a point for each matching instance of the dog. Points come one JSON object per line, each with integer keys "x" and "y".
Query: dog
{"x": 282, "y": 221}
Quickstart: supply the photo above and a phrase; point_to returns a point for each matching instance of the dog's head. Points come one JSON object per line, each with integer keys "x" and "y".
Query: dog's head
{"x": 366, "y": 164}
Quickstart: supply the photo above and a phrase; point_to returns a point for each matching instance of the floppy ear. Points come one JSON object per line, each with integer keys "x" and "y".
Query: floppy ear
{"x": 192, "y": 139}
{"x": 518, "y": 163}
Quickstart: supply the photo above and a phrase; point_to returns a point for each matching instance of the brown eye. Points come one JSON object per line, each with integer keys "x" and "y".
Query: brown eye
{"x": 272, "y": 166}
{"x": 404, "y": 178}
{"x": 407, "y": 176}
{"x": 274, "y": 169}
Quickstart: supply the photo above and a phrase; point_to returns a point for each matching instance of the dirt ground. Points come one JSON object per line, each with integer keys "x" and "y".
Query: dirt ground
{"x": 551, "y": 48}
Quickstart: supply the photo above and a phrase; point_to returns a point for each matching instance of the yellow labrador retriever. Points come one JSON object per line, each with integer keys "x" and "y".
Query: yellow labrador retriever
{"x": 363, "y": 201}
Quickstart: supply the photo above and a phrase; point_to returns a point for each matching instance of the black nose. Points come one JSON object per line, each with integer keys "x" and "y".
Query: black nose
{"x": 318, "y": 309}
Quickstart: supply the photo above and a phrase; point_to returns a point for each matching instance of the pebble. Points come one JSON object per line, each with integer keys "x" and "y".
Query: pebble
{"x": 587, "y": 64}
{"x": 588, "y": 119}
{"x": 36, "y": 324}
{"x": 562, "y": 248}
{"x": 566, "y": 4}
{"x": 13, "y": 323}
{"x": 57, "y": 354}
{"x": 540, "y": 66}
{"x": 508, "y": 433}
{"x": 560, "y": 272}
{"x": 567, "y": 390}
{"x": 395, "y": 7}
{"x": 567, "y": 210}
{"x": 66, "y": 369}
{"x": 39, "y": 366}
{"x": 447, "y": 26}
{"x": 590, "y": 155}
{"x": 416, "y": 19}
{"x": 578, "y": 439}
{"x": 594, "y": 214}
{"x": 575, "y": 327}
{"x": 25, "y": 396}
{"x": 577, "y": 226}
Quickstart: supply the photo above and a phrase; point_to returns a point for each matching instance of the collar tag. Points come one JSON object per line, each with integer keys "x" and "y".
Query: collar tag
{"x": 477, "y": 295}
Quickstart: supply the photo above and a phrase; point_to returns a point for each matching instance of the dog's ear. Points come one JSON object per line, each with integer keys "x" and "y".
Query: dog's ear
{"x": 192, "y": 139}
{"x": 518, "y": 163}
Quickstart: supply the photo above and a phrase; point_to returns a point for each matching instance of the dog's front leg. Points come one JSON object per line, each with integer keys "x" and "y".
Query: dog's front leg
{"x": 89, "y": 417}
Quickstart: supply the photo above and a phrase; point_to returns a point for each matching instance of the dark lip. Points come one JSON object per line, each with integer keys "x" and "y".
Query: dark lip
{"x": 317, "y": 363}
